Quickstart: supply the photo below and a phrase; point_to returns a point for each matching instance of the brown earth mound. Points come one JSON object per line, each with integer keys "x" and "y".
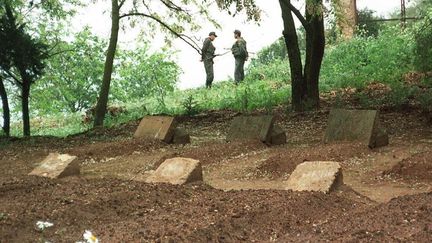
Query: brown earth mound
{"x": 129, "y": 211}
{"x": 417, "y": 167}
{"x": 284, "y": 161}
{"x": 404, "y": 219}
{"x": 215, "y": 152}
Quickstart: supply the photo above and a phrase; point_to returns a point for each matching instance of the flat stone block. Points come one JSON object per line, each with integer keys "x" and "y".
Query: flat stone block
{"x": 251, "y": 128}
{"x": 157, "y": 127}
{"x": 177, "y": 171}
{"x": 57, "y": 165}
{"x": 322, "y": 176}
{"x": 181, "y": 136}
{"x": 278, "y": 136}
{"x": 355, "y": 125}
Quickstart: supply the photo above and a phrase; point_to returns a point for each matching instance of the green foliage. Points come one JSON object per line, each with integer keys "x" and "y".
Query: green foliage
{"x": 142, "y": 74}
{"x": 368, "y": 26}
{"x": 423, "y": 43}
{"x": 363, "y": 59}
{"x": 72, "y": 77}
{"x": 276, "y": 51}
{"x": 425, "y": 100}
{"x": 278, "y": 71}
{"x": 190, "y": 105}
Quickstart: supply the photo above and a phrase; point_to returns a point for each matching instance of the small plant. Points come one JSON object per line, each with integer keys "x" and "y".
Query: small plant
{"x": 243, "y": 99}
{"x": 190, "y": 105}
{"x": 268, "y": 102}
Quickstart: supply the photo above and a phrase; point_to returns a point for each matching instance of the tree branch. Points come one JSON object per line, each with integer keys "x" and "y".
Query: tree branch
{"x": 184, "y": 38}
{"x": 298, "y": 15}
{"x": 121, "y": 3}
{"x": 169, "y": 4}
{"x": 13, "y": 76}
{"x": 49, "y": 55}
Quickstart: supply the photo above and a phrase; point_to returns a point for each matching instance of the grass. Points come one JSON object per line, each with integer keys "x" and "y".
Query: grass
{"x": 352, "y": 64}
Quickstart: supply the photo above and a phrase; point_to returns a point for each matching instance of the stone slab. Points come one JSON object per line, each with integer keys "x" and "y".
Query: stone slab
{"x": 157, "y": 127}
{"x": 57, "y": 165}
{"x": 251, "y": 128}
{"x": 278, "y": 136}
{"x": 322, "y": 176}
{"x": 177, "y": 171}
{"x": 355, "y": 125}
{"x": 181, "y": 136}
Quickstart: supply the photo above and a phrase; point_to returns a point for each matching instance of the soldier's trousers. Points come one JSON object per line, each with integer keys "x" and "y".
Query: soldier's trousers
{"x": 239, "y": 70}
{"x": 208, "y": 65}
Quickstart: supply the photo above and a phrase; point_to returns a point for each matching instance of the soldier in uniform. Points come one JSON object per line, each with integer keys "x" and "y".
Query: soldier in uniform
{"x": 240, "y": 54}
{"x": 207, "y": 55}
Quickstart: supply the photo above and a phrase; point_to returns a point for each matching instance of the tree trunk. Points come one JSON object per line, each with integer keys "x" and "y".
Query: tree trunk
{"x": 25, "y": 93}
{"x": 6, "y": 111}
{"x": 315, "y": 44}
{"x": 108, "y": 68}
{"x": 291, "y": 41}
{"x": 346, "y": 17}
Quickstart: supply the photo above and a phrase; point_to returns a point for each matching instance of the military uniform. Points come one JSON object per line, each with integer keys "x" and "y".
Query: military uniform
{"x": 207, "y": 56}
{"x": 240, "y": 53}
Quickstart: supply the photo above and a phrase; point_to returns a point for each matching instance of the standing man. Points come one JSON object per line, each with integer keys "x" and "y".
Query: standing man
{"x": 241, "y": 55}
{"x": 207, "y": 55}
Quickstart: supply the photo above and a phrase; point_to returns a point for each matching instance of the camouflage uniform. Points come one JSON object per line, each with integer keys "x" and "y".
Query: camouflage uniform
{"x": 207, "y": 56}
{"x": 240, "y": 53}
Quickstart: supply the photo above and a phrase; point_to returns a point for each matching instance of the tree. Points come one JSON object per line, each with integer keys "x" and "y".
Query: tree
{"x": 368, "y": 24}
{"x": 423, "y": 43}
{"x": 170, "y": 16}
{"x": 304, "y": 80}
{"x": 346, "y": 17}
{"x": 5, "y": 106}
{"x": 5, "y": 65}
{"x": 143, "y": 74}
{"x": 27, "y": 56}
{"x": 305, "y": 89}
{"x": 72, "y": 77}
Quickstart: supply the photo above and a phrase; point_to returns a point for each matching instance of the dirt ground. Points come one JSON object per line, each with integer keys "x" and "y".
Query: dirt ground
{"x": 387, "y": 196}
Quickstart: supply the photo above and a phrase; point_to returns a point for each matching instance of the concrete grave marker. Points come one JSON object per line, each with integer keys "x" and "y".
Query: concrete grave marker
{"x": 57, "y": 165}
{"x": 251, "y": 128}
{"x": 323, "y": 176}
{"x": 278, "y": 136}
{"x": 157, "y": 127}
{"x": 355, "y": 125}
{"x": 177, "y": 171}
{"x": 181, "y": 136}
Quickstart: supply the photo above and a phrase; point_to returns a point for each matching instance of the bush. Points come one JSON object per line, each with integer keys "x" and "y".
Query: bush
{"x": 364, "y": 59}
{"x": 423, "y": 43}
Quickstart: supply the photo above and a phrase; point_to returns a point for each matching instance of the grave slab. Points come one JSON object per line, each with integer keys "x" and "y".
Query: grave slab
{"x": 157, "y": 127}
{"x": 57, "y": 165}
{"x": 251, "y": 128}
{"x": 355, "y": 125}
{"x": 181, "y": 136}
{"x": 177, "y": 171}
{"x": 278, "y": 136}
{"x": 322, "y": 176}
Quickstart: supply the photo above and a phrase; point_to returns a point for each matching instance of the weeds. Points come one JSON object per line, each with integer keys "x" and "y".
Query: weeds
{"x": 190, "y": 105}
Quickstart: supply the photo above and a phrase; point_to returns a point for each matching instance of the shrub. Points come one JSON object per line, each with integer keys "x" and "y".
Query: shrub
{"x": 423, "y": 43}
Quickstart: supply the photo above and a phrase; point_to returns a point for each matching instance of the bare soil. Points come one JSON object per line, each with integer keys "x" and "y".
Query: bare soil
{"x": 386, "y": 197}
